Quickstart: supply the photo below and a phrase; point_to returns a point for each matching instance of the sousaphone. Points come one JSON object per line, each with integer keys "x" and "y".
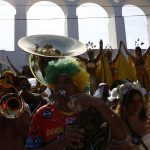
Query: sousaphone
{"x": 43, "y": 48}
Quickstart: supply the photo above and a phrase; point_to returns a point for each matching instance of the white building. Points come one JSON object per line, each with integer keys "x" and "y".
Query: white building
{"x": 20, "y": 23}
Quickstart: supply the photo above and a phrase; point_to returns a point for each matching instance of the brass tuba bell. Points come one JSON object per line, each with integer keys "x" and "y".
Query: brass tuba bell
{"x": 11, "y": 105}
{"x": 43, "y": 48}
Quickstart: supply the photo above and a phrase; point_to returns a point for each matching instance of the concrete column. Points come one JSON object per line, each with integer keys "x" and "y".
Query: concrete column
{"x": 20, "y": 57}
{"x": 112, "y": 32}
{"x": 120, "y": 29}
{"x": 117, "y": 28}
{"x": 71, "y": 28}
{"x": 20, "y": 24}
{"x": 0, "y": 67}
{"x": 148, "y": 28}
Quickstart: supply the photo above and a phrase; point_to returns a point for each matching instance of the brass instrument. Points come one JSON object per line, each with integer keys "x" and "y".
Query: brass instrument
{"x": 11, "y": 106}
{"x": 42, "y": 49}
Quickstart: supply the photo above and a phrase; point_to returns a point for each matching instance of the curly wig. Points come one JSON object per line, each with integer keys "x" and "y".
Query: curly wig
{"x": 71, "y": 67}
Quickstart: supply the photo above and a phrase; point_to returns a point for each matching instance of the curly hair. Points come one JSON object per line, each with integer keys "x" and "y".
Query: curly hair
{"x": 69, "y": 66}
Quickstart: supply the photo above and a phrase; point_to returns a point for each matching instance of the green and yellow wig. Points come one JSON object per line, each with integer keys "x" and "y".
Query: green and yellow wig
{"x": 71, "y": 67}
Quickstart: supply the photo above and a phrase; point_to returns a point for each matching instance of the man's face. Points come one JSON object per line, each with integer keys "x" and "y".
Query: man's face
{"x": 65, "y": 83}
{"x": 24, "y": 85}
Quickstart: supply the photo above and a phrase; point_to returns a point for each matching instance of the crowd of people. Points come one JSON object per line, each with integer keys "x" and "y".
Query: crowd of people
{"x": 117, "y": 67}
{"x": 77, "y": 114}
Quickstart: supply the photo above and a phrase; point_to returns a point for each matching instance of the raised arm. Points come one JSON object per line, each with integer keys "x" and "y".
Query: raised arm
{"x": 129, "y": 54}
{"x": 119, "y": 50}
{"x": 146, "y": 52}
{"x": 14, "y": 68}
{"x": 100, "y": 50}
{"x": 85, "y": 101}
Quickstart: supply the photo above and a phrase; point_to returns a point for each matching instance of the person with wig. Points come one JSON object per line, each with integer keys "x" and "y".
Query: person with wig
{"x": 55, "y": 125}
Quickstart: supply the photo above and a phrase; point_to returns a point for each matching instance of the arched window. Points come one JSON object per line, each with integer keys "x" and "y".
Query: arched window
{"x": 135, "y": 26}
{"x": 7, "y": 13}
{"x": 93, "y": 24}
{"x": 45, "y": 18}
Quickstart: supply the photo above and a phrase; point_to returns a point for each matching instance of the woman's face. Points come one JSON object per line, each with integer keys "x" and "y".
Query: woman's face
{"x": 91, "y": 54}
{"x": 137, "y": 53}
{"x": 135, "y": 105}
{"x": 109, "y": 55}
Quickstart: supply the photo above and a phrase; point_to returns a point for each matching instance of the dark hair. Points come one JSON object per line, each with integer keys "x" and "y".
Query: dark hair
{"x": 20, "y": 78}
{"x": 138, "y": 49}
{"x": 26, "y": 71}
{"x": 128, "y": 97}
{"x": 116, "y": 83}
{"x": 23, "y": 86}
{"x": 13, "y": 90}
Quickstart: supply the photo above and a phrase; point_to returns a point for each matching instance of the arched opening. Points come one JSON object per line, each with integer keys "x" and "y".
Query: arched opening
{"x": 93, "y": 24}
{"x": 45, "y": 18}
{"x": 135, "y": 26}
{"x": 7, "y": 13}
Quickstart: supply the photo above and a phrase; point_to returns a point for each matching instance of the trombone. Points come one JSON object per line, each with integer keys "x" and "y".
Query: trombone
{"x": 11, "y": 105}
